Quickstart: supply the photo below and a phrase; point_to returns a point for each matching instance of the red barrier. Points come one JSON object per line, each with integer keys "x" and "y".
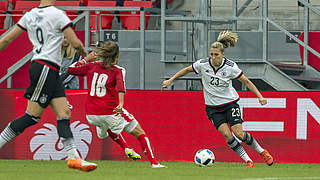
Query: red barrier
{"x": 314, "y": 38}
{"x": 177, "y": 126}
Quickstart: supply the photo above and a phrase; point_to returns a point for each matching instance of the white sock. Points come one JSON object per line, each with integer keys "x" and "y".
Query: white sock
{"x": 236, "y": 147}
{"x": 70, "y": 148}
{"x": 249, "y": 140}
{"x": 7, "y": 135}
{"x": 245, "y": 157}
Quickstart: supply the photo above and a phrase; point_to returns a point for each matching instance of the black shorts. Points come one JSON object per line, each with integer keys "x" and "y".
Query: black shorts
{"x": 45, "y": 83}
{"x": 229, "y": 114}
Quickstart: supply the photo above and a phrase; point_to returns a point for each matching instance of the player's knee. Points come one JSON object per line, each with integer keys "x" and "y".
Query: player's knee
{"x": 247, "y": 138}
{"x": 20, "y": 124}
{"x": 63, "y": 126}
{"x": 239, "y": 135}
{"x": 226, "y": 134}
{"x": 65, "y": 113}
{"x": 137, "y": 132}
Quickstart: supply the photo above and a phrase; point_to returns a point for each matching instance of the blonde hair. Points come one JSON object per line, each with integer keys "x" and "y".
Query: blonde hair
{"x": 107, "y": 52}
{"x": 225, "y": 39}
{"x": 68, "y": 52}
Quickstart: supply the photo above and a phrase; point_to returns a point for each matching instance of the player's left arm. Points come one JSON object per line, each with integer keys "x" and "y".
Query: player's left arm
{"x": 120, "y": 88}
{"x": 252, "y": 88}
{"x": 8, "y": 38}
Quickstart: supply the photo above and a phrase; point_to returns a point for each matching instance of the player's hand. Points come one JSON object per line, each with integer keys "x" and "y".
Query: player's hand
{"x": 92, "y": 57}
{"x": 83, "y": 52}
{"x": 262, "y": 101}
{"x": 166, "y": 83}
{"x": 118, "y": 109}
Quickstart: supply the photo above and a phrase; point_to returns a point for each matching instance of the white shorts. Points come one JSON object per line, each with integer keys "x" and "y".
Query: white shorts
{"x": 115, "y": 122}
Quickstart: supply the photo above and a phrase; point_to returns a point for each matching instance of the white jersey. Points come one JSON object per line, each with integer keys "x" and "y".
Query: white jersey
{"x": 217, "y": 83}
{"x": 45, "y": 27}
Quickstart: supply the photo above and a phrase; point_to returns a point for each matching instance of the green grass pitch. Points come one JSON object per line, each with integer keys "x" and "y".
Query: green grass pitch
{"x": 141, "y": 170}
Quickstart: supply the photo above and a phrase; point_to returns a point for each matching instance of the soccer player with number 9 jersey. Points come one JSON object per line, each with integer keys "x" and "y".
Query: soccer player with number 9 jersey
{"x": 46, "y": 27}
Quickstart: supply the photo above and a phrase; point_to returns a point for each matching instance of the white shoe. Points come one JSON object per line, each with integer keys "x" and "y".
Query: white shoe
{"x": 132, "y": 154}
{"x": 158, "y": 166}
{"x": 102, "y": 133}
{"x": 81, "y": 165}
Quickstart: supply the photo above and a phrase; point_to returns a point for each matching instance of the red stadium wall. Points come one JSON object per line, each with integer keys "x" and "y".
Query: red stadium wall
{"x": 177, "y": 126}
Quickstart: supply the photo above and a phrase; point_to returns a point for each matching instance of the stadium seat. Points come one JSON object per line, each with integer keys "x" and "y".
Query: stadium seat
{"x": 71, "y": 14}
{"x": 3, "y": 11}
{"x": 132, "y": 22}
{"x": 157, "y": 3}
{"x": 106, "y": 16}
{"x": 21, "y": 7}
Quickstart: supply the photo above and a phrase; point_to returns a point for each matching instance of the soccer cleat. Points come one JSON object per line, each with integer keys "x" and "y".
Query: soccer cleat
{"x": 132, "y": 154}
{"x": 81, "y": 164}
{"x": 267, "y": 157}
{"x": 158, "y": 166}
{"x": 250, "y": 164}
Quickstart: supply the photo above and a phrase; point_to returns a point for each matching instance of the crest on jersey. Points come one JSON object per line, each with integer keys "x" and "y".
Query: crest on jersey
{"x": 43, "y": 99}
{"x": 224, "y": 73}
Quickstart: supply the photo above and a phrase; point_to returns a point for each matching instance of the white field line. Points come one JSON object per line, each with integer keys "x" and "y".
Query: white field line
{"x": 283, "y": 178}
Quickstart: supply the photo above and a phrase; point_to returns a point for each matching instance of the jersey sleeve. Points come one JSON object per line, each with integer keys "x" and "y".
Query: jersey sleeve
{"x": 236, "y": 72}
{"x": 22, "y": 23}
{"x": 78, "y": 69}
{"x": 63, "y": 21}
{"x": 196, "y": 66}
{"x": 120, "y": 82}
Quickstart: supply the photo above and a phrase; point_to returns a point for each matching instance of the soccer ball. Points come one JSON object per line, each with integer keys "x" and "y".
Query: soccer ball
{"x": 204, "y": 157}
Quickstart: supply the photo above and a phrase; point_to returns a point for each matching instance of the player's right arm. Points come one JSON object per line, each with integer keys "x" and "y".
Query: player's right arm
{"x": 118, "y": 109}
{"x": 180, "y": 73}
{"x": 72, "y": 38}
{"x": 8, "y": 38}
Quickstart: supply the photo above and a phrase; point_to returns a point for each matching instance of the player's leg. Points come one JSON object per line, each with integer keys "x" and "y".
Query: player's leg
{"x": 118, "y": 138}
{"x": 60, "y": 107}
{"x": 17, "y": 126}
{"x": 139, "y": 133}
{"x": 38, "y": 74}
{"x": 220, "y": 118}
{"x": 234, "y": 144}
{"x": 249, "y": 140}
{"x": 233, "y": 115}
{"x": 135, "y": 129}
{"x": 235, "y": 122}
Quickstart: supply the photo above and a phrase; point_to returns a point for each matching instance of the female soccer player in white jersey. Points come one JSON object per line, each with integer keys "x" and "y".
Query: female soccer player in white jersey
{"x": 106, "y": 89}
{"x": 46, "y": 27}
{"x": 221, "y": 98}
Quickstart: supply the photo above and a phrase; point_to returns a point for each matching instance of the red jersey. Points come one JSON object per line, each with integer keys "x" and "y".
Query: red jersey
{"x": 103, "y": 86}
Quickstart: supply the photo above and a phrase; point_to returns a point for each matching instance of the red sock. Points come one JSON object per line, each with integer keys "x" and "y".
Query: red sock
{"x": 118, "y": 139}
{"x": 146, "y": 147}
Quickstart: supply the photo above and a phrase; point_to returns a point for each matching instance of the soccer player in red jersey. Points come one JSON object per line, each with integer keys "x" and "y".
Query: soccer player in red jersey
{"x": 106, "y": 89}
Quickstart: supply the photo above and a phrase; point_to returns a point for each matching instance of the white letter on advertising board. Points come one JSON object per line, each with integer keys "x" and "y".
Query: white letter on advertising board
{"x": 305, "y": 106}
